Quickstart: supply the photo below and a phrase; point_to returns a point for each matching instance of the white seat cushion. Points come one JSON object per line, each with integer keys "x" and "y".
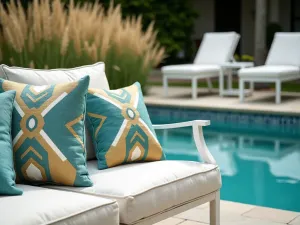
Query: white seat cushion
{"x": 191, "y": 69}
{"x": 145, "y": 189}
{"x": 45, "y": 77}
{"x": 46, "y": 206}
{"x": 270, "y": 71}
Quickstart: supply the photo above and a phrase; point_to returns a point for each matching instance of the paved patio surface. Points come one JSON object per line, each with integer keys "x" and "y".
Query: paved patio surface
{"x": 235, "y": 214}
{"x": 260, "y": 101}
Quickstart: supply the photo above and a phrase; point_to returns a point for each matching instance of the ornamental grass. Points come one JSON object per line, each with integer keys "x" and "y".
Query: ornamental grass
{"x": 49, "y": 34}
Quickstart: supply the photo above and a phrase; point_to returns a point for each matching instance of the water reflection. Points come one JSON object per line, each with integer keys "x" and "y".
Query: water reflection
{"x": 261, "y": 169}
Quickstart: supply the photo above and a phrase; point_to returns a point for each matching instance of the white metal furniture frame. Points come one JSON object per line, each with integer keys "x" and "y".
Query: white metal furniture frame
{"x": 283, "y": 64}
{"x": 227, "y": 70}
{"x": 213, "y": 198}
{"x": 215, "y": 49}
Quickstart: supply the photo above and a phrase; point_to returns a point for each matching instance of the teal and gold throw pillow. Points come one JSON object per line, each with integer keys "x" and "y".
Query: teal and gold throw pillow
{"x": 7, "y": 172}
{"x": 120, "y": 127}
{"x": 48, "y": 132}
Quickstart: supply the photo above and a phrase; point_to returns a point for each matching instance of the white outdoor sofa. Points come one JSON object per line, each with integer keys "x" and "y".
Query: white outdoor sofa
{"x": 141, "y": 193}
{"x": 282, "y": 64}
{"x": 215, "y": 49}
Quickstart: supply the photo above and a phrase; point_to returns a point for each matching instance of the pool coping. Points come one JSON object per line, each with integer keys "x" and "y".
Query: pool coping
{"x": 259, "y": 102}
{"x": 222, "y": 109}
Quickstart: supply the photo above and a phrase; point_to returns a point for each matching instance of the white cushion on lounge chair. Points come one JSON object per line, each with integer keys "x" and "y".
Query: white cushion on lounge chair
{"x": 145, "y": 189}
{"x": 190, "y": 69}
{"x": 285, "y": 49}
{"x": 271, "y": 71}
{"x": 217, "y": 47}
{"x": 45, "y": 206}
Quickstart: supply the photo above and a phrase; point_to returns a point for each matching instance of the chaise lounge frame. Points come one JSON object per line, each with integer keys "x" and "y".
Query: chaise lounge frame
{"x": 284, "y": 54}
{"x": 262, "y": 79}
{"x": 213, "y": 198}
{"x": 216, "y": 48}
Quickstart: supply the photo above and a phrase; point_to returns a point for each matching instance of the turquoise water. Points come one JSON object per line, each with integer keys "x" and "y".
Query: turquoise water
{"x": 260, "y": 164}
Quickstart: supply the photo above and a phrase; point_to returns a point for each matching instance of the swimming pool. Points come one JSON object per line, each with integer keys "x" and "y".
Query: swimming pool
{"x": 258, "y": 154}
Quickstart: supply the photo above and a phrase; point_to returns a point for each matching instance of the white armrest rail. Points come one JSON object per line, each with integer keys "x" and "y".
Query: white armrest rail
{"x": 182, "y": 124}
{"x": 197, "y": 134}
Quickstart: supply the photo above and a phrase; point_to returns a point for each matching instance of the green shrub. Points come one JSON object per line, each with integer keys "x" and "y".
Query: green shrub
{"x": 272, "y": 28}
{"x": 45, "y": 35}
{"x": 243, "y": 58}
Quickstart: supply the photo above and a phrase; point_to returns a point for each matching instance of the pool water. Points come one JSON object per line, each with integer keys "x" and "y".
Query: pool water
{"x": 259, "y": 159}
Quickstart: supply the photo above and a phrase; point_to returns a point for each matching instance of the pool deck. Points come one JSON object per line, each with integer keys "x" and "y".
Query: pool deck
{"x": 259, "y": 101}
{"x": 235, "y": 214}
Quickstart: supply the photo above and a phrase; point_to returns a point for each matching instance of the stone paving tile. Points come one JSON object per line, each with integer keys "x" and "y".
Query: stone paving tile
{"x": 231, "y": 212}
{"x": 296, "y": 221}
{"x": 269, "y": 214}
{"x": 250, "y": 221}
{"x": 199, "y": 215}
{"x": 202, "y": 215}
{"x": 188, "y": 222}
{"x": 227, "y": 218}
{"x": 235, "y": 207}
{"x": 170, "y": 221}
{"x": 203, "y": 206}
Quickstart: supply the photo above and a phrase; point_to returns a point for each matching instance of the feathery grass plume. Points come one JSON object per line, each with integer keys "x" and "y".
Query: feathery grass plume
{"x": 77, "y": 43}
{"x": 65, "y": 42}
{"x": 158, "y": 56}
{"x": 49, "y": 34}
{"x": 45, "y": 17}
{"x": 22, "y": 20}
{"x": 86, "y": 47}
{"x": 12, "y": 61}
{"x": 10, "y": 38}
{"x": 94, "y": 54}
{"x": 37, "y": 19}
{"x": 31, "y": 64}
{"x": 147, "y": 60}
{"x": 17, "y": 33}
{"x": 30, "y": 42}
{"x": 58, "y": 19}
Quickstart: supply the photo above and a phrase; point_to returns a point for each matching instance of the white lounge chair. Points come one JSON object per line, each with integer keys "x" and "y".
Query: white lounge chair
{"x": 282, "y": 64}
{"x": 215, "y": 49}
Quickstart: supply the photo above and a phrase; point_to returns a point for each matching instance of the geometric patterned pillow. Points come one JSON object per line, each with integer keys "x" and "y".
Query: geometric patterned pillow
{"x": 48, "y": 132}
{"x": 121, "y": 129}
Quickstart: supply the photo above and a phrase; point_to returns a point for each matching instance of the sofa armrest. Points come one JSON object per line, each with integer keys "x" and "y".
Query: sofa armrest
{"x": 197, "y": 134}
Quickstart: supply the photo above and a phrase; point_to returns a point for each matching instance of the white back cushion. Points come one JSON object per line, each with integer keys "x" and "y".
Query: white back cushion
{"x": 285, "y": 49}
{"x": 45, "y": 77}
{"x": 217, "y": 48}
